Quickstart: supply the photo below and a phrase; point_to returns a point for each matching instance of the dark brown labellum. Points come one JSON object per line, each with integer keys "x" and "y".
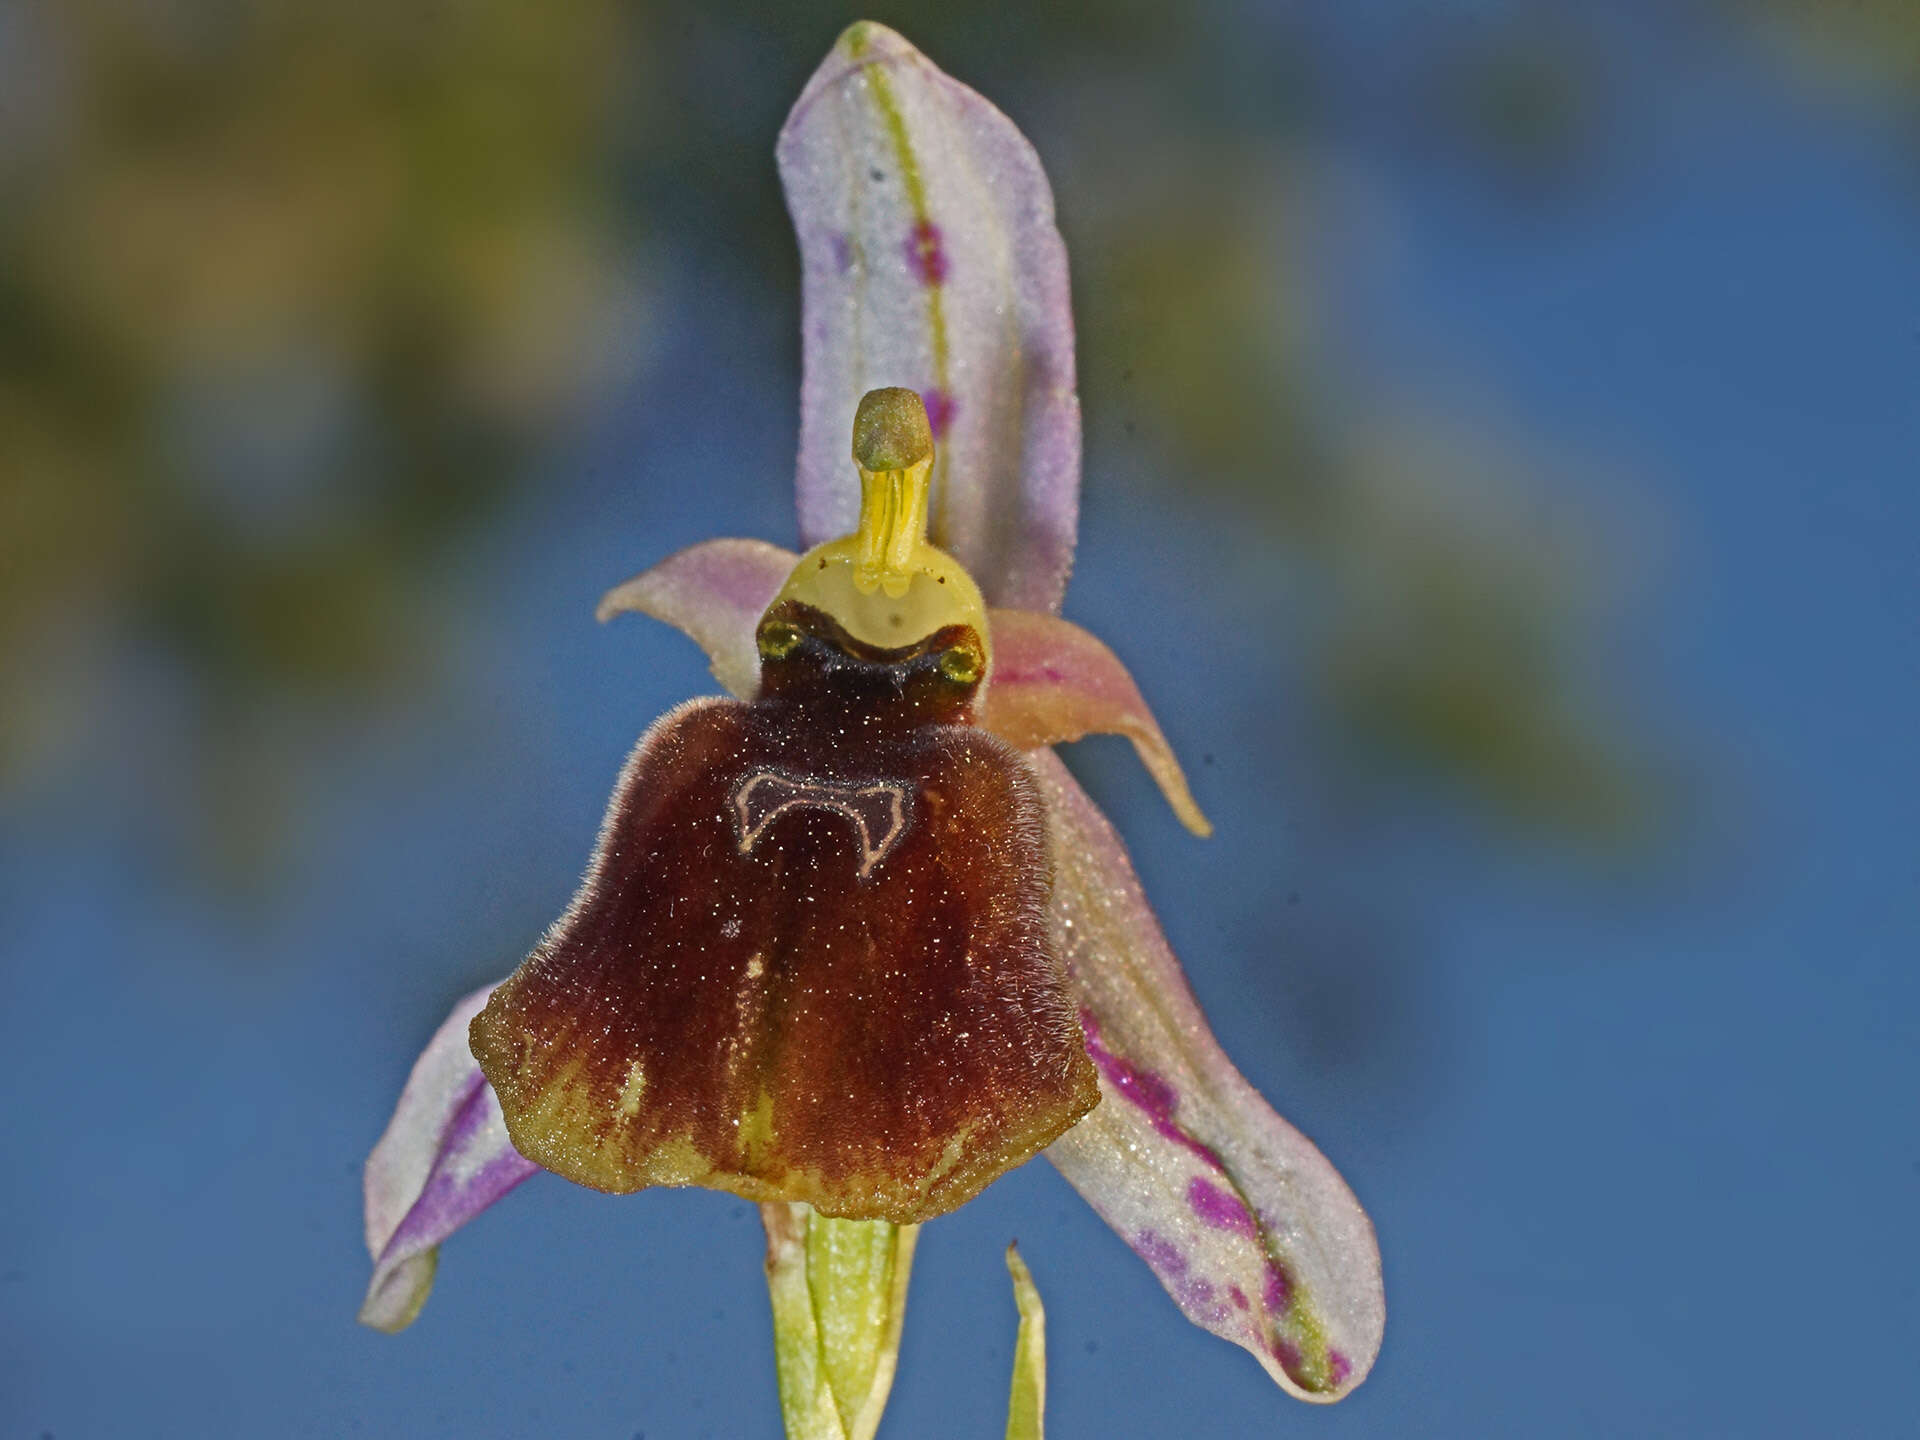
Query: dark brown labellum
{"x": 810, "y": 960}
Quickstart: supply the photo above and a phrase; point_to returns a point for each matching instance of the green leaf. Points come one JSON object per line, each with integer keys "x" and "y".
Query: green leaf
{"x": 839, "y": 1293}
{"x": 1027, "y": 1400}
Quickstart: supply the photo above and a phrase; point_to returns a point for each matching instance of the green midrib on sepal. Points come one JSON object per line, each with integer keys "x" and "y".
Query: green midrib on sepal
{"x": 895, "y": 120}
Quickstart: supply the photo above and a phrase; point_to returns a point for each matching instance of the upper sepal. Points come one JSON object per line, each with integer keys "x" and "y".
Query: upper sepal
{"x": 444, "y": 1158}
{"x": 930, "y": 259}
{"x": 1254, "y": 1235}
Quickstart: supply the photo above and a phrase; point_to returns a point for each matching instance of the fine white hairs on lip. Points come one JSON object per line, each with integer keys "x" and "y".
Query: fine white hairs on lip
{"x": 878, "y": 810}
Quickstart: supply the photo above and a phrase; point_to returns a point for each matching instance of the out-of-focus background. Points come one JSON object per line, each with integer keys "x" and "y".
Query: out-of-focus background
{"x": 1502, "y": 434}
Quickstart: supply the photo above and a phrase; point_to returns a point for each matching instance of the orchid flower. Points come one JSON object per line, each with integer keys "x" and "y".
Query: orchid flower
{"x": 855, "y": 939}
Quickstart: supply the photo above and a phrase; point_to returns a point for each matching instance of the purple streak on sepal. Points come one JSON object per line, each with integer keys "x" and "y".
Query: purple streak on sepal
{"x": 1223, "y": 1199}
{"x": 1218, "y": 1208}
{"x": 444, "y": 1158}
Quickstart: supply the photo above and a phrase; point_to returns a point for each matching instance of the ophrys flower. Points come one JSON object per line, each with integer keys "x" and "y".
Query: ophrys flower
{"x": 632, "y": 1054}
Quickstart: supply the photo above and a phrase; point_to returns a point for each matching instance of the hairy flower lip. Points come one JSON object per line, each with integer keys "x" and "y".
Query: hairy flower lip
{"x": 842, "y": 992}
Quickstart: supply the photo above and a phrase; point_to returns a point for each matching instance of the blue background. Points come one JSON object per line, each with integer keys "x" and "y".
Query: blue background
{"x": 1638, "y": 1133}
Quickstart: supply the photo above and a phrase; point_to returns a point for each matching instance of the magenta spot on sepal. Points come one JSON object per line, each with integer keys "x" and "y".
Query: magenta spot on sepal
{"x": 1195, "y": 1297}
{"x": 1193, "y": 1293}
{"x": 1240, "y": 1301}
{"x": 925, "y": 253}
{"x": 1279, "y": 1292}
{"x": 1338, "y": 1366}
{"x": 1146, "y": 1090}
{"x": 1288, "y": 1355}
{"x": 1219, "y": 1209}
{"x": 1160, "y": 1253}
{"x": 940, "y": 408}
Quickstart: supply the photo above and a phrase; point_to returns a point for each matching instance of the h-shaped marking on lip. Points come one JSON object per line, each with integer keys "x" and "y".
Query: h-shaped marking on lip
{"x": 877, "y": 808}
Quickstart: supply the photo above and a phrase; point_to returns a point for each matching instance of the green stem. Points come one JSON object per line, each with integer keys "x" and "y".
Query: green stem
{"x": 839, "y": 1293}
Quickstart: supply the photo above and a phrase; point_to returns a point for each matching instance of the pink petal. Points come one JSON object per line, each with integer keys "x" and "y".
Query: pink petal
{"x": 444, "y": 1159}
{"x": 1248, "y": 1227}
{"x": 715, "y": 592}
{"x": 1053, "y": 682}
{"x": 929, "y": 258}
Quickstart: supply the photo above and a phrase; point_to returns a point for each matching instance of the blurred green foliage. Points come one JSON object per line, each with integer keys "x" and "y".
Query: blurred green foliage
{"x": 292, "y": 293}
{"x": 286, "y": 292}
{"x": 1847, "y": 43}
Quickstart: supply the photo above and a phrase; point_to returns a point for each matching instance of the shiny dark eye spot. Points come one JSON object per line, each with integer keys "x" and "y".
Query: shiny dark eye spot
{"x": 961, "y": 664}
{"x": 777, "y": 641}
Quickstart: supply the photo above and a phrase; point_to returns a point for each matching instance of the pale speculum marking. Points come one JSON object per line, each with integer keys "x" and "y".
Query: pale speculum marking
{"x": 877, "y": 808}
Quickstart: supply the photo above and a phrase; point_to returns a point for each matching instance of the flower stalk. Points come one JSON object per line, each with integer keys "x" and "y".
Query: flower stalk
{"x": 839, "y": 1294}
